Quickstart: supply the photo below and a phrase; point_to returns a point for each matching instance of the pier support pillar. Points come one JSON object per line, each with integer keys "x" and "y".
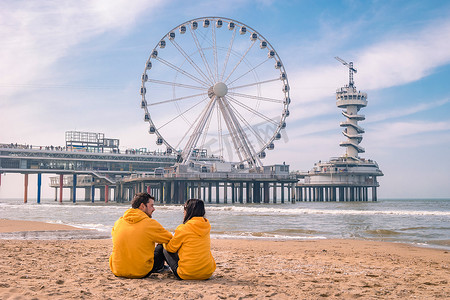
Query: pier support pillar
{"x": 39, "y": 183}
{"x": 160, "y": 193}
{"x": 256, "y": 192}
{"x": 102, "y": 193}
{"x": 74, "y": 191}
{"x": 106, "y": 193}
{"x": 293, "y": 193}
{"x": 61, "y": 187}
{"x": 247, "y": 192}
{"x": 119, "y": 194}
{"x": 241, "y": 192}
{"x": 274, "y": 192}
{"x": 233, "y": 193}
{"x": 282, "y": 192}
{"x": 225, "y": 192}
{"x": 93, "y": 192}
{"x": 165, "y": 194}
{"x": 266, "y": 192}
{"x": 374, "y": 194}
{"x": 217, "y": 192}
{"x": 209, "y": 192}
{"x": 25, "y": 191}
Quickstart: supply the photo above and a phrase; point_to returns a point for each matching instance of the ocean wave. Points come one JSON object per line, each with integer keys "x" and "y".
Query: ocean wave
{"x": 382, "y": 232}
{"x": 262, "y": 236}
{"x": 54, "y": 235}
{"x": 311, "y": 211}
{"x": 250, "y": 209}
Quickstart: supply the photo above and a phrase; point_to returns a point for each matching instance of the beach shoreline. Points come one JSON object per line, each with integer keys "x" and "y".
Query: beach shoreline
{"x": 246, "y": 269}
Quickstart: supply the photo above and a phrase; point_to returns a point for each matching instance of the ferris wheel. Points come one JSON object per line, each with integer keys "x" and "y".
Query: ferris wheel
{"x": 215, "y": 87}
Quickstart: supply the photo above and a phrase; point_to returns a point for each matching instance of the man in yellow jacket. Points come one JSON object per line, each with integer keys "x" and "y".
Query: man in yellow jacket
{"x": 134, "y": 236}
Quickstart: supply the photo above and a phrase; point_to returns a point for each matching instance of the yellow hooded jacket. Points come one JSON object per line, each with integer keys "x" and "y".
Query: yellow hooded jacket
{"x": 134, "y": 236}
{"x": 192, "y": 241}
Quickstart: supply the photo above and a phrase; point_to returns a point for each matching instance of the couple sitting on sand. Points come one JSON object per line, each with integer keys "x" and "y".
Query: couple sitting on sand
{"x": 188, "y": 251}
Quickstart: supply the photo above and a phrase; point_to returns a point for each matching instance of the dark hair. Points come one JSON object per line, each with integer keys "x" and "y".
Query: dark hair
{"x": 141, "y": 198}
{"x": 193, "y": 208}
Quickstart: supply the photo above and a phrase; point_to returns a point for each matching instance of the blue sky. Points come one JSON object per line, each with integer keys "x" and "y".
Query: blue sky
{"x": 76, "y": 65}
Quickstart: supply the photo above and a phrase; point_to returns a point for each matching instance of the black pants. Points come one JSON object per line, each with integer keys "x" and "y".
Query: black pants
{"x": 158, "y": 259}
{"x": 172, "y": 259}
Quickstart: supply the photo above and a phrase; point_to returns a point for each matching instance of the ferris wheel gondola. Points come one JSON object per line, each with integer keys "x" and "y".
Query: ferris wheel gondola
{"x": 217, "y": 86}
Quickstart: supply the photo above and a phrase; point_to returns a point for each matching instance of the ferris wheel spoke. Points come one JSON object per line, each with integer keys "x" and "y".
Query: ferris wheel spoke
{"x": 253, "y": 84}
{"x": 231, "y": 129}
{"x": 252, "y": 69}
{"x": 182, "y": 114}
{"x": 196, "y": 134}
{"x": 189, "y": 129}
{"x": 205, "y": 38}
{"x": 242, "y": 138}
{"x": 177, "y": 84}
{"x": 193, "y": 64}
{"x": 205, "y": 132}
{"x": 253, "y": 111}
{"x": 200, "y": 51}
{"x": 239, "y": 62}
{"x": 219, "y": 131}
{"x": 216, "y": 72}
{"x": 182, "y": 71}
{"x": 248, "y": 126}
{"x": 230, "y": 47}
{"x": 255, "y": 97}
{"x": 175, "y": 99}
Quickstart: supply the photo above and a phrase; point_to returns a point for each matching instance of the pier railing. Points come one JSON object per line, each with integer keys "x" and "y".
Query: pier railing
{"x": 216, "y": 175}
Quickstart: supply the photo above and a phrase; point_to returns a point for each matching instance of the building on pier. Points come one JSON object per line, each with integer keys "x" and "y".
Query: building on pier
{"x": 349, "y": 177}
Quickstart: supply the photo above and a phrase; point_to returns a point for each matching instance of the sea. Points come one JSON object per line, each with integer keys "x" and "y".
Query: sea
{"x": 422, "y": 222}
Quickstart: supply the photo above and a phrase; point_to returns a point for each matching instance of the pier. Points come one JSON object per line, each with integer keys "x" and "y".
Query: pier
{"x": 91, "y": 162}
{"x": 216, "y": 188}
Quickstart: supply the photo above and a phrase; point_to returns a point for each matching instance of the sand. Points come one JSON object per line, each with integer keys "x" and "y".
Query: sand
{"x": 246, "y": 269}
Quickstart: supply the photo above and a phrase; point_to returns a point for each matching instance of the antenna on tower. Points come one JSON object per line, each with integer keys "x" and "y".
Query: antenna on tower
{"x": 350, "y": 70}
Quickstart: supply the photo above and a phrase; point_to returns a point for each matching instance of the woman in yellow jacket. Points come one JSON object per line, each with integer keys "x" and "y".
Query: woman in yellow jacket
{"x": 189, "y": 251}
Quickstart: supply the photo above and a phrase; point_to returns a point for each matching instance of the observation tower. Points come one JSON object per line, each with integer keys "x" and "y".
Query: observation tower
{"x": 348, "y": 177}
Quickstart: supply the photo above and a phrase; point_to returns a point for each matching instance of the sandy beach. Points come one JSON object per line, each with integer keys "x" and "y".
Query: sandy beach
{"x": 246, "y": 269}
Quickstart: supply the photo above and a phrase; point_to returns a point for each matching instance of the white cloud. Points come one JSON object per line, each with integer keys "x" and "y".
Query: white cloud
{"x": 407, "y": 111}
{"x": 401, "y": 59}
{"x": 36, "y": 34}
{"x": 405, "y": 134}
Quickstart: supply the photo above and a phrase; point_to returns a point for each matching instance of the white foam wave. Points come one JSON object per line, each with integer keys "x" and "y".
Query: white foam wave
{"x": 249, "y": 236}
{"x": 92, "y": 226}
{"x": 300, "y": 211}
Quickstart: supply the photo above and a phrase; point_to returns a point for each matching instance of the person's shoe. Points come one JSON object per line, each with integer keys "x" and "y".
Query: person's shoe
{"x": 163, "y": 269}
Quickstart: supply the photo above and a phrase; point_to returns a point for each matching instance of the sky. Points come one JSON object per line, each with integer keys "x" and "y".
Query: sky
{"x": 77, "y": 65}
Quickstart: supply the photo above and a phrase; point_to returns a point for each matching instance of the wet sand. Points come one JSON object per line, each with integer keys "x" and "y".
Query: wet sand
{"x": 246, "y": 269}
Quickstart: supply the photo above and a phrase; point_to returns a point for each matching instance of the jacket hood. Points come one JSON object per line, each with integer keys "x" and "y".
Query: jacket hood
{"x": 134, "y": 215}
{"x": 199, "y": 225}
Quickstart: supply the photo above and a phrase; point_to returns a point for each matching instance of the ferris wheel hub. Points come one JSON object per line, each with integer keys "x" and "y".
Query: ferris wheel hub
{"x": 220, "y": 89}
